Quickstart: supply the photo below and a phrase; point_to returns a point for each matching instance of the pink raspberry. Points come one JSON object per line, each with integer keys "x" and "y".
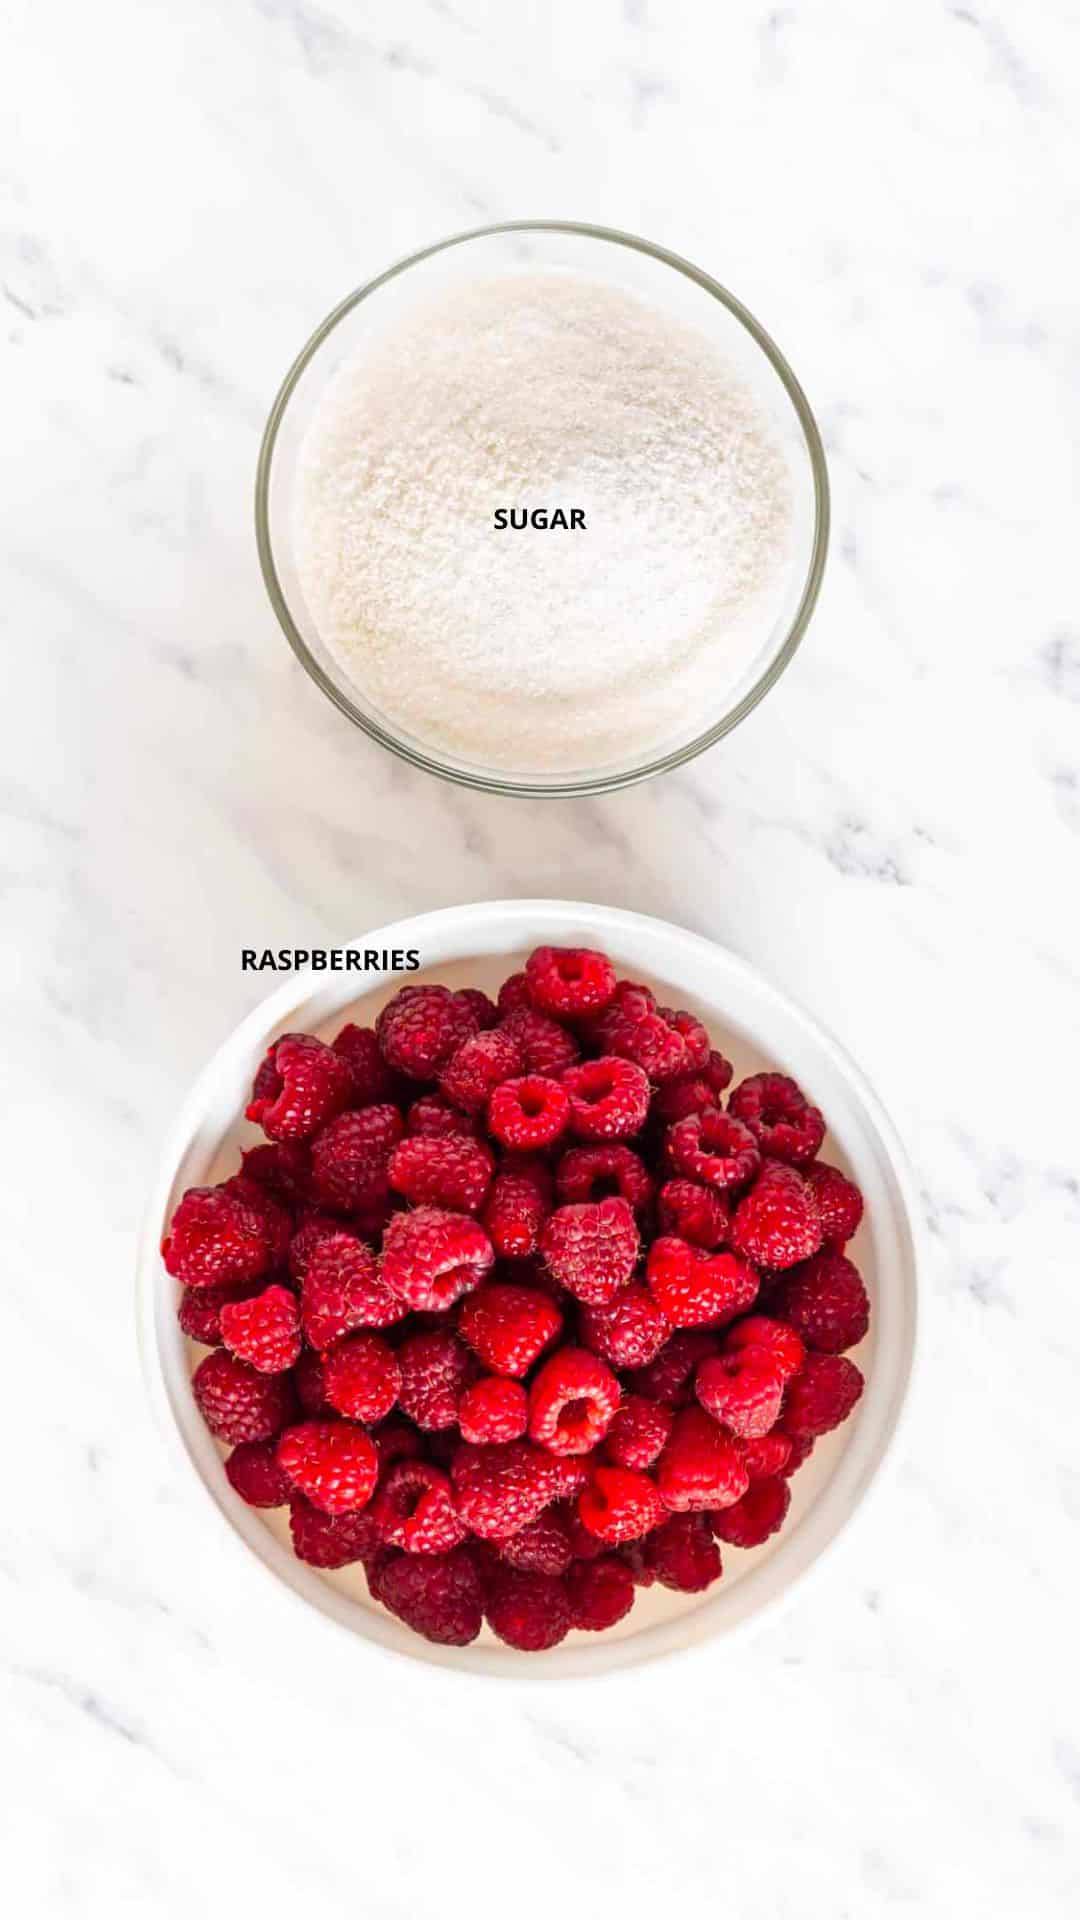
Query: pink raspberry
{"x": 682, "y": 1554}
{"x": 362, "y": 1377}
{"x": 609, "y": 1099}
{"x": 414, "y": 1509}
{"x": 700, "y": 1466}
{"x": 517, "y": 1206}
{"x": 528, "y": 1112}
{"x": 592, "y": 1248}
{"x": 713, "y": 1148}
{"x": 224, "y": 1236}
{"x": 692, "y": 1212}
{"x": 600, "y": 1592}
{"x": 332, "y": 1462}
{"x": 236, "y": 1402}
{"x": 253, "y": 1472}
{"x": 438, "y": 1595}
{"x": 451, "y": 1173}
{"x": 435, "y": 1370}
{"x": 572, "y": 1401}
{"x": 264, "y": 1330}
{"x": 331, "y": 1540}
{"x": 693, "y": 1288}
{"x": 569, "y": 982}
{"x": 759, "y": 1514}
{"x": 421, "y": 1027}
{"x": 479, "y": 1065}
{"x": 742, "y": 1390}
{"x": 499, "y": 1489}
{"x": 629, "y": 1332}
{"x": 603, "y": 1171}
{"x": 638, "y": 1433}
{"x": 826, "y": 1302}
{"x": 776, "y": 1224}
{"x": 431, "y": 1257}
{"x": 493, "y": 1409}
{"x": 341, "y": 1291}
{"x": 819, "y": 1398}
{"x": 509, "y": 1326}
{"x": 301, "y": 1085}
{"x": 839, "y": 1204}
{"x": 781, "y": 1119}
{"x": 350, "y": 1158}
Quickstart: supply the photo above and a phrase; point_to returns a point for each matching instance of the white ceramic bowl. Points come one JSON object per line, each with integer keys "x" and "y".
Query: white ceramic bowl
{"x": 753, "y": 1024}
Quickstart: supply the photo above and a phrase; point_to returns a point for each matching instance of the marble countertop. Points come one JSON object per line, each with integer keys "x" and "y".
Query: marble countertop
{"x": 892, "y": 836}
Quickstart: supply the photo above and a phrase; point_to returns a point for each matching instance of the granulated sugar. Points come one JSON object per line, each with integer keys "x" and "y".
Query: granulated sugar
{"x": 542, "y": 649}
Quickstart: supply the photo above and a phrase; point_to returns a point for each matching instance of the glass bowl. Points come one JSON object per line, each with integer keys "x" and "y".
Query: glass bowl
{"x": 635, "y": 267}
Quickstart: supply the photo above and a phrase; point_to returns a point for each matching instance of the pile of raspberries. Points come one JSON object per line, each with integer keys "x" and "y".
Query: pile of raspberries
{"x": 514, "y": 1309}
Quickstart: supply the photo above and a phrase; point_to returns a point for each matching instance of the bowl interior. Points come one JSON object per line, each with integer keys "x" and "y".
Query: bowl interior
{"x": 662, "y": 281}
{"x": 746, "y": 1020}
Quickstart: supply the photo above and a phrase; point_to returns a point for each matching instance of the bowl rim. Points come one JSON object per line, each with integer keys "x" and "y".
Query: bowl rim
{"x": 501, "y": 783}
{"x": 888, "y": 1390}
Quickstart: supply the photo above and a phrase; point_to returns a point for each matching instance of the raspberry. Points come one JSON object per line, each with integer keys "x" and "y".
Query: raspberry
{"x": 396, "y": 1440}
{"x": 435, "y": 1370}
{"x": 431, "y": 1257}
{"x": 499, "y": 1489}
{"x": 572, "y": 1401}
{"x": 628, "y": 1333}
{"x": 597, "y": 1173}
{"x": 638, "y": 1433}
{"x": 693, "y": 1288}
{"x": 600, "y": 1592}
{"x": 253, "y": 1473}
{"x": 480, "y": 1005}
{"x": 632, "y": 1555}
{"x": 199, "y": 1312}
{"x": 633, "y": 1029}
{"x": 493, "y": 1409}
{"x": 350, "y": 1158}
{"x": 778, "y": 1114}
{"x": 693, "y": 1092}
{"x": 264, "y": 1330}
{"x": 569, "y": 982}
{"x": 517, "y": 1206}
{"x": 529, "y": 1112}
{"x": 694, "y": 1036}
{"x": 667, "y": 1378}
{"x": 825, "y": 1301}
{"x": 309, "y": 1379}
{"x": 592, "y": 1249}
{"x": 742, "y": 1390}
{"x": 760, "y": 1513}
{"x": 513, "y": 995}
{"x": 692, "y": 1212}
{"x": 316, "y": 1228}
{"x": 583, "y": 1544}
{"x": 682, "y": 1554}
{"x": 331, "y": 1461}
{"x": 451, "y": 1173}
{"x": 714, "y": 1148}
{"x": 372, "y": 1080}
{"x": 609, "y": 1098}
{"x": 341, "y": 1291}
{"x": 282, "y": 1168}
{"x": 301, "y": 1085}
{"x": 529, "y": 1611}
{"x": 541, "y": 1547}
{"x": 780, "y": 1340}
{"x": 767, "y": 1455}
{"x": 839, "y": 1203}
{"x": 437, "y": 1594}
{"x": 545, "y": 1047}
{"x": 421, "y": 1027}
{"x": 619, "y": 1504}
{"x": 414, "y": 1509}
{"x": 700, "y": 1466}
{"x": 237, "y": 1403}
{"x": 508, "y": 1326}
{"x": 330, "y": 1540}
{"x": 479, "y": 1065}
{"x": 433, "y": 1117}
{"x": 818, "y": 1399}
{"x": 223, "y": 1236}
{"x": 776, "y": 1224}
{"x": 802, "y": 1446}
{"x": 362, "y": 1377}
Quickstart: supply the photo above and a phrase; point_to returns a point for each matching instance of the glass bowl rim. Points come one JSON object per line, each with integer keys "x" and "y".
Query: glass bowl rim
{"x": 493, "y": 782}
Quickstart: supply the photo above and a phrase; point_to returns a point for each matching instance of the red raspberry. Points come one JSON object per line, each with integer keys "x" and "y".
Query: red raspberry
{"x": 362, "y": 1377}
{"x": 421, "y": 1027}
{"x": 236, "y": 1402}
{"x": 438, "y": 1595}
{"x": 224, "y": 1236}
{"x": 632, "y": 1555}
{"x": 451, "y": 1173}
{"x": 826, "y": 1303}
{"x": 694, "y": 1037}
{"x": 700, "y": 1466}
{"x": 628, "y": 1333}
{"x": 779, "y": 1340}
{"x": 331, "y": 1540}
{"x": 529, "y": 1611}
{"x": 667, "y": 1378}
{"x": 759, "y": 1514}
{"x": 583, "y": 1544}
{"x": 839, "y": 1203}
{"x": 350, "y": 1158}
{"x": 433, "y": 1117}
{"x": 199, "y": 1312}
{"x": 741, "y": 1390}
{"x": 435, "y": 1370}
{"x": 693, "y": 1092}
{"x": 499, "y": 1489}
{"x": 802, "y": 1446}
{"x": 480, "y": 1064}
{"x": 253, "y": 1473}
{"x": 414, "y": 1509}
{"x": 395, "y": 1440}
{"x": 341, "y": 1291}
{"x": 693, "y": 1288}
{"x": 431, "y": 1257}
{"x": 541, "y": 1547}
{"x": 301, "y": 1085}
{"x": 619, "y": 1504}
{"x": 331, "y": 1461}
{"x": 372, "y": 1079}
{"x": 514, "y": 993}
{"x": 638, "y": 1433}
{"x": 597, "y": 1173}
{"x": 528, "y": 1112}
{"x": 493, "y": 1409}
{"x": 767, "y": 1455}
{"x": 714, "y": 1148}
{"x": 509, "y": 1326}
{"x": 264, "y": 1331}
{"x": 776, "y": 1224}
{"x": 545, "y": 1047}
{"x": 778, "y": 1114}
{"x": 569, "y": 982}
{"x": 818, "y": 1399}
{"x": 572, "y": 1401}
{"x": 682, "y": 1554}
{"x": 316, "y": 1228}
{"x": 592, "y": 1249}
{"x": 609, "y": 1098}
{"x": 692, "y": 1212}
{"x": 309, "y": 1379}
{"x": 283, "y": 1169}
{"x": 633, "y": 1029}
{"x": 480, "y": 1005}
{"x": 600, "y": 1592}
{"x": 517, "y": 1206}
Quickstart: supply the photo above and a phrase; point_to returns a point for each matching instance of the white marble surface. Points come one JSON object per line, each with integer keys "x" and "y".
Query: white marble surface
{"x": 893, "y": 837}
